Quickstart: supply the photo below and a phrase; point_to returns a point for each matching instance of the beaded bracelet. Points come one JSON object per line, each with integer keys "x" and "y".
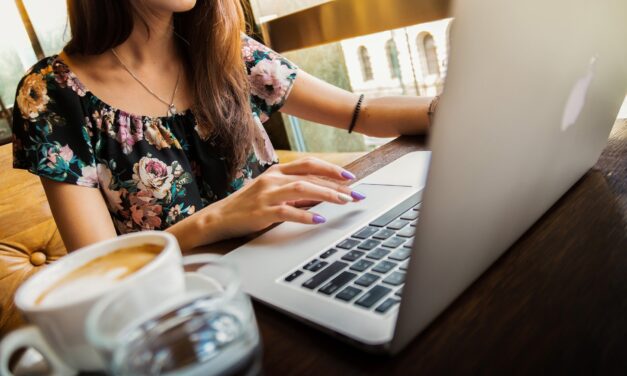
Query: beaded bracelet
{"x": 356, "y": 114}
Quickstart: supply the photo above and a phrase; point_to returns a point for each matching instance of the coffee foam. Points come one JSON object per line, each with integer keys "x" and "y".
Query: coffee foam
{"x": 98, "y": 275}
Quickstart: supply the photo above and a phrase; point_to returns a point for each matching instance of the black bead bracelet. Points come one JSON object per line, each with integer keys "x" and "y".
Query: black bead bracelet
{"x": 356, "y": 113}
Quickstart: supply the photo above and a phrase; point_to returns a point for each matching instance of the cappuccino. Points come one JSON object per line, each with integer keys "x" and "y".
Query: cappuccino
{"x": 99, "y": 274}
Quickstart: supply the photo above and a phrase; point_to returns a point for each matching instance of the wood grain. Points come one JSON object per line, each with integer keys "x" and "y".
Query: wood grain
{"x": 556, "y": 301}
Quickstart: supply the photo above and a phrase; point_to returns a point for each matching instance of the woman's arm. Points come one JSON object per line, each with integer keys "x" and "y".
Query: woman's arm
{"x": 80, "y": 213}
{"x": 315, "y": 100}
{"x": 82, "y": 216}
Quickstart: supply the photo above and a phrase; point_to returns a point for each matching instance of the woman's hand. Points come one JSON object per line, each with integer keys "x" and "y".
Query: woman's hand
{"x": 272, "y": 197}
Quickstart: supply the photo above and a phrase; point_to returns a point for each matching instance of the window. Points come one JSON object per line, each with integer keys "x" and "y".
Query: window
{"x": 50, "y": 23}
{"x": 48, "y": 20}
{"x": 16, "y": 53}
{"x": 429, "y": 53}
{"x": 366, "y": 66}
{"x": 269, "y": 9}
{"x": 392, "y": 54}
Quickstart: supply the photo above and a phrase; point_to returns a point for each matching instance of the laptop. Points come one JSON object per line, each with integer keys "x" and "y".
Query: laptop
{"x": 532, "y": 91}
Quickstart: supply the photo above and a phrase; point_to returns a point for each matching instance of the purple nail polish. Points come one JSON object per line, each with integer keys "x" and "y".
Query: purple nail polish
{"x": 319, "y": 219}
{"x": 348, "y": 175}
{"x": 357, "y": 195}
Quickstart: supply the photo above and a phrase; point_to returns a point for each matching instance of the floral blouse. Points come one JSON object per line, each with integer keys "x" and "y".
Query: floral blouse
{"x": 151, "y": 171}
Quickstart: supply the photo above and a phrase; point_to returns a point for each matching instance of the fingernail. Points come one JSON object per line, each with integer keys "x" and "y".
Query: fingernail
{"x": 319, "y": 219}
{"x": 348, "y": 175}
{"x": 357, "y": 196}
{"x": 344, "y": 197}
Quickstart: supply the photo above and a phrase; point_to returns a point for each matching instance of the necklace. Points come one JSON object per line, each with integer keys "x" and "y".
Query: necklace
{"x": 171, "y": 107}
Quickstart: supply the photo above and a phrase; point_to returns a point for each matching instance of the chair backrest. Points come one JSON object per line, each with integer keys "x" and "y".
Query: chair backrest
{"x": 29, "y": 238}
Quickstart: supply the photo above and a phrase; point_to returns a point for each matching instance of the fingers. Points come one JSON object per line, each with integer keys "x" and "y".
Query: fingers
{"x": 325, "y": 183}
{"x": 357, "y": 196}
{"x": 283, "y": 213}
{"x": 303, "y": 203}
{"x": 285, "y": 179}
{"x": 305, "y": 190}
{"x": 314, "y": 166}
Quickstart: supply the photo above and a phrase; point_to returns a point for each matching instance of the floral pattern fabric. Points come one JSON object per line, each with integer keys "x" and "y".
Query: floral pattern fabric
{"x": 151, "y": 171}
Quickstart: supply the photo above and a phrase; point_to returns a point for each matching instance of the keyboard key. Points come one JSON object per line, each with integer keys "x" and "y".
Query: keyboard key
{"x": 378, "y": 254}
{"x": 361, "y": 265}
{"x": 383, "y": 234}
{"x": 399, "y": 292}
{"x": 325, "y": 274}
{"x": 328, "y": 253}
{"x": 413, "y": 224}
{"x": 410, "y": 215}
{"x": 409, "y": 243}
{"x": 375, "y": 294}
{"x": 400, "y": 254}
{"x": 348, "y": 293}
{"x": 404, "y": 265}
{"x": 417, "y": 207}
{"x": 395, "y": 279}
{"x": 315, "y": 265}
{"x": 396, "y": 211}
{"x": 384, "y": 267}
{"x": 366, "y": 280}
{"x": 386, "y": 305}
{"x": 337, "y": 283}
{"x": 318, "y": 266}
{"x": 394, "y": 242}
{"x": 398, "y": 224}
{"x": 348, "y": 243}
{"x": 365, "y": 232}
{"x": 352, "y": 255}
{"x": 368, "y": 244}
{"x": 407, "y": 232}
{"x": 293, "y": 276}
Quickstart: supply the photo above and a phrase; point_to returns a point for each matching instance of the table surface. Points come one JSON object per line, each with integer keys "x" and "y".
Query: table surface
{"x": 555, "y": 301}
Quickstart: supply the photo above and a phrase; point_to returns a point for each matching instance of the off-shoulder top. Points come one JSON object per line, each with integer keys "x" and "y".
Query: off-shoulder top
{"x": 151, "y": 171}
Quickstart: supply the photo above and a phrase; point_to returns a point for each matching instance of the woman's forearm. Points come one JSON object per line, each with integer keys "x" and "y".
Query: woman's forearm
{"x": 196, "y": 230}
{"x": 393, "y": 116}
{"x": 315, "y": 100}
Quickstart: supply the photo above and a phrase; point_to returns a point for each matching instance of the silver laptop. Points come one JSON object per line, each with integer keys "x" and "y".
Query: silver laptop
{"x": 533, "y": 89}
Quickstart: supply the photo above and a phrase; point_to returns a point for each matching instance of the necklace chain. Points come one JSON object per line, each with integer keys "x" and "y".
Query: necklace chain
{"x": 171, "y": 107}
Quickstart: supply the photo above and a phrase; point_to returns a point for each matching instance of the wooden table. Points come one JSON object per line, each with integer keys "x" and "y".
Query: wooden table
{"x": 556, "y": 301}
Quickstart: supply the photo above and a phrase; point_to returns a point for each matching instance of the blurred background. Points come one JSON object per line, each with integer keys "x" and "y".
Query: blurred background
{"x": 402, "y": 61}
{"x": 375, "y": 47}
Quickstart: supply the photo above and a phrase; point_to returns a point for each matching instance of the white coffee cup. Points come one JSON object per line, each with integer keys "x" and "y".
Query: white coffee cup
{"x": 57, "y": 328}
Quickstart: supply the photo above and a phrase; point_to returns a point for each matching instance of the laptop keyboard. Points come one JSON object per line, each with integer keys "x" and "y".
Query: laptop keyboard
{"x": 367, "y": 269}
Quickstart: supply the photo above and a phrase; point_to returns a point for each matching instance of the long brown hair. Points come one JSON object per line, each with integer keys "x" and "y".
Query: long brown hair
{"x": 211, "y": 53}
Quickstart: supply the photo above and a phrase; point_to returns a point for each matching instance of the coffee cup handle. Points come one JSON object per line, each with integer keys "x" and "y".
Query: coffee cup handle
{"x": 30, "y": 336}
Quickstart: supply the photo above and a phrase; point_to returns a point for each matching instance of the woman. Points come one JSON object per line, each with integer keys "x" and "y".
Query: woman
{"x": 149, "y": 120}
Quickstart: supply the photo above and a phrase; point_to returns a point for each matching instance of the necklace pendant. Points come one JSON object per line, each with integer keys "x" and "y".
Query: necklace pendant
{"x": 171, "y": 110}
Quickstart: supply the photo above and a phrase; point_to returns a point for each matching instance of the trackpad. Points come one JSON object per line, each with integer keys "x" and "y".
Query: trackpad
{"x": 344, "y": 220}
{"x": 410, "y": 170}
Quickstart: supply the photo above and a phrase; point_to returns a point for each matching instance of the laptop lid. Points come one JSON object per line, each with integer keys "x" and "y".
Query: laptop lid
{"x": 533, "y": 88}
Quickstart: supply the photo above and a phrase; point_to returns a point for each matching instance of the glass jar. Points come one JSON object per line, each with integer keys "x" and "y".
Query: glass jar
{"x": 209, "y": 330}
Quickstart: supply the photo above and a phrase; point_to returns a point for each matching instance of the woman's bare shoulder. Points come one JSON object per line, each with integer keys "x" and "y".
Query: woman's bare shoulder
{"x": 92, "y": 70}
